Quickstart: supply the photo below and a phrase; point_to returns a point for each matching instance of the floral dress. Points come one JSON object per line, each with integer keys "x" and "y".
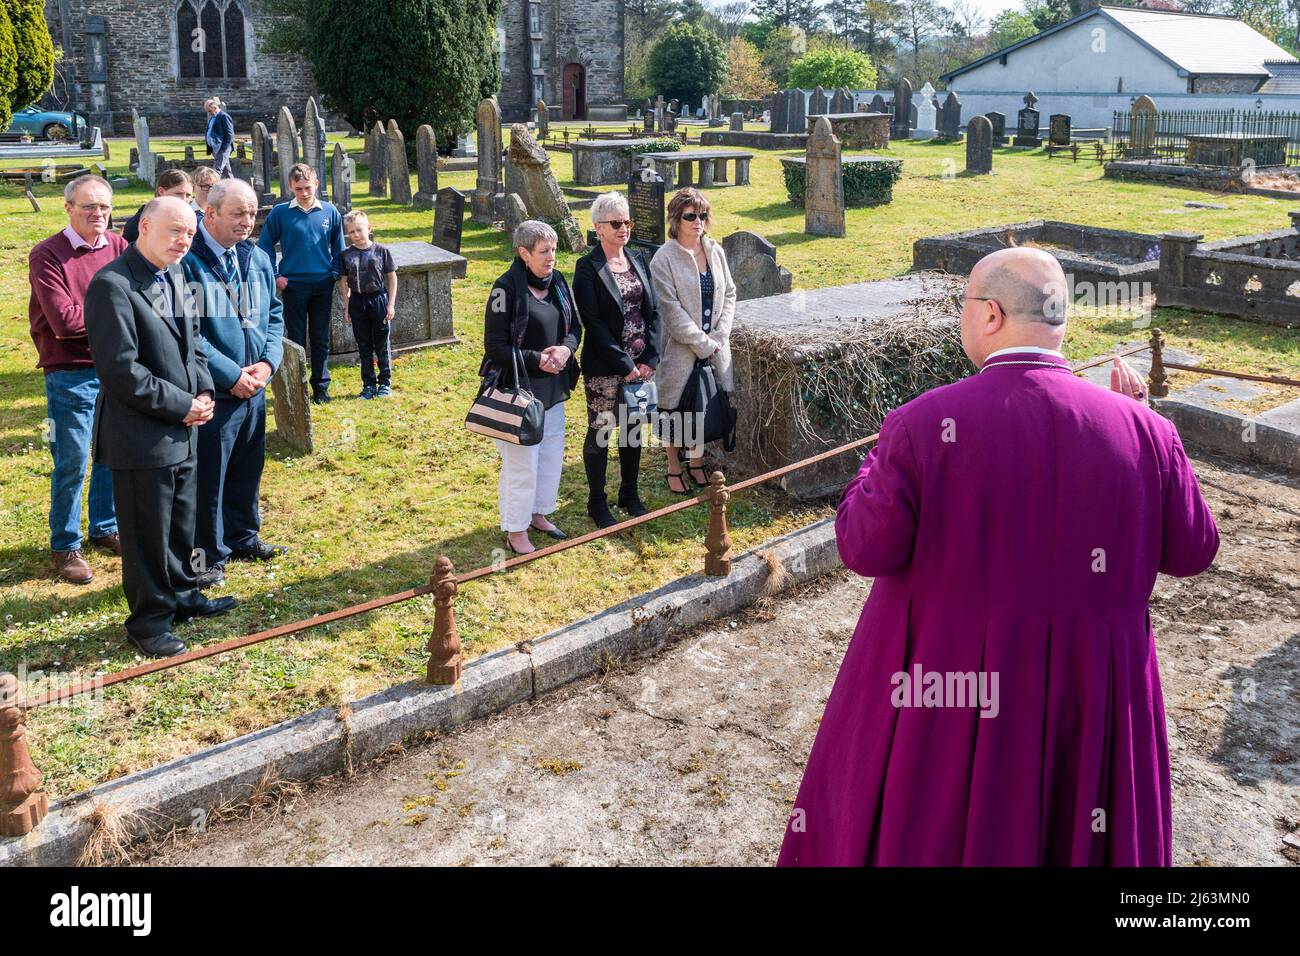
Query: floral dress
{"x": 602, "y": 390}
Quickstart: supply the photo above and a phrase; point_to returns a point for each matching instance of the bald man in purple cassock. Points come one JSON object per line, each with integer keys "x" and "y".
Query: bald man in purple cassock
{"x": 999, "y": 703}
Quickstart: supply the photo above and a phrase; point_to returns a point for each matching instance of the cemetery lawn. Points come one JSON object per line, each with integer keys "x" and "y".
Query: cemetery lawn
{"x": 394, "y": 484}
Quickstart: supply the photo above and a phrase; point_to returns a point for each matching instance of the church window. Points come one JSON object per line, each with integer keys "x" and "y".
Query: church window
{"x": 211, "y": 37}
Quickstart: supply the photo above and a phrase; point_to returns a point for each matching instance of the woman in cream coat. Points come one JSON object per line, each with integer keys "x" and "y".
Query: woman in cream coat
{"x": 697, "y": 301}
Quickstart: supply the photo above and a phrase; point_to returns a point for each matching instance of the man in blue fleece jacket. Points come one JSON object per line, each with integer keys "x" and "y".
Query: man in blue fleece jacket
{"x": 241, "y": 326}
{"x": 310, "y": 234}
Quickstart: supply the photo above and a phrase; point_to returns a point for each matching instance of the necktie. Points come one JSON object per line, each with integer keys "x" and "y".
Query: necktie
{"x": 164, "y": 303}
{"x": 246, "y": 323}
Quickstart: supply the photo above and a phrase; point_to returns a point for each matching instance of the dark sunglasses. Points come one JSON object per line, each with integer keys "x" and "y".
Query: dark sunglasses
{"x": 617, "y": 224}
{"x": 692, "y": 216}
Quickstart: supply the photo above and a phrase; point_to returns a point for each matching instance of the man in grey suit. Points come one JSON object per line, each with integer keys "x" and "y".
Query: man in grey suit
{"x": 155, "y": 390}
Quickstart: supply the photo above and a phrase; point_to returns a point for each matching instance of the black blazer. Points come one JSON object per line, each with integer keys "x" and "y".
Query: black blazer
{"x": 149, "y": 367}
{"x": 505, "y": 323}
{"x": 601, "y": 306}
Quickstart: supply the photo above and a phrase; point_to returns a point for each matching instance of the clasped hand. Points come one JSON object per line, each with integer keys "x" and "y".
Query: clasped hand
{"x": 642, "y": 373}
{"x": 554, "y": 358}
{"x": 252, "y": 378}
{"x": 201, "y": 409}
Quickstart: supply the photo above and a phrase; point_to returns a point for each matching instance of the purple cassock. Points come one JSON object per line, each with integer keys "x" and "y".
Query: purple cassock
{"x": 999, "y": 704}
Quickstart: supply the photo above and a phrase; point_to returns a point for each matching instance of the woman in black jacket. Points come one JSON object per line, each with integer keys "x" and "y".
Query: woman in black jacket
{"x": 531, "y": 309}
{"x": 614, "y": 295}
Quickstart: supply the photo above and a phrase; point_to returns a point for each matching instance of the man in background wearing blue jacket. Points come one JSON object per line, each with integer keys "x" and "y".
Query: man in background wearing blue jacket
{"x": 310, "y": 234}
{"x": 241, "y": 323}
{"x": 220, "y": 136}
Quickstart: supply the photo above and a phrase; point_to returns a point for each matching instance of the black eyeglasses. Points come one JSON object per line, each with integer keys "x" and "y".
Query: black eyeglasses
{"x": 617, "y": 224}
{"x": 692, "y": 216}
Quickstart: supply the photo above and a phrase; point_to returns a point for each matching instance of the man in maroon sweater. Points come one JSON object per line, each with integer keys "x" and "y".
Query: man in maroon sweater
{"x": 61, "y": 268}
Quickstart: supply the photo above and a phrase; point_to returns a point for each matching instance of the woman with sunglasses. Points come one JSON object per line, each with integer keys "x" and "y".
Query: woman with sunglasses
{"x": 611, "y": 285}
{"x": 697, "y": 301}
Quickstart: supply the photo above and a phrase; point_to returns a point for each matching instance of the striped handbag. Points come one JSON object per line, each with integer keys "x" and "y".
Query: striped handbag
{"x": 509, "y": 413}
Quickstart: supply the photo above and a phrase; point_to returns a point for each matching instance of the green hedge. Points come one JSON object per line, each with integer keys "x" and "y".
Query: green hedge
{"x": 665, "y": 145}
{"x": 865, "y": 183}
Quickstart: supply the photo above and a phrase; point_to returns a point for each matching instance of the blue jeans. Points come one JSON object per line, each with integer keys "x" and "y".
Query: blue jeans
{"x": 70, "y": 405}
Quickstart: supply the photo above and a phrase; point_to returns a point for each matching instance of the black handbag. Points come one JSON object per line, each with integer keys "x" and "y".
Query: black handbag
{"x": 504, "y": 410}
{"x": 704, "y": 414}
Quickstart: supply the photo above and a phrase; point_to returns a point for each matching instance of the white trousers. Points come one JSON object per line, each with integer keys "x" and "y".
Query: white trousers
{"x": 530, "y": 476}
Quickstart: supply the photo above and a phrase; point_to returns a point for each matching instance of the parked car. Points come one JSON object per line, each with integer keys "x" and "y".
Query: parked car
{"x": 44, "y": 124}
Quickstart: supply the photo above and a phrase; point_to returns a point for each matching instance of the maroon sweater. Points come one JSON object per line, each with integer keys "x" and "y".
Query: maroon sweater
{"x": 59, "y": 277}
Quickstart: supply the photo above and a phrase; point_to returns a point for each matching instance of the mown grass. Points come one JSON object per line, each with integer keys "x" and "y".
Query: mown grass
{"x": 393, "y": 484}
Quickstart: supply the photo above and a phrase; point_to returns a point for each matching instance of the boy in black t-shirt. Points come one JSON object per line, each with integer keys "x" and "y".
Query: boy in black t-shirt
{"x": 368, "y": 284}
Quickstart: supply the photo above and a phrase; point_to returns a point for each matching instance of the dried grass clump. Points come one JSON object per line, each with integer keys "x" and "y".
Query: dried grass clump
{"x": 113, "y": 828}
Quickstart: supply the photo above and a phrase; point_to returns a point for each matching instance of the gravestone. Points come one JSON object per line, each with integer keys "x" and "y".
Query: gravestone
{"x": 487, "y": 196}
{"x": 998, "y": 121}
{"x": 529, "y": 175}
{"x": 378, "y": 160}
{"x": 645, "y": 204}
{"x": 797, "y": 117}
{"x": 780, "y": 111}
{"x": 262, "y": 164}
{"x": 737, "y": 122}
{"x": 824, "y": 188}
{"x": 659, "y": 115}
{"x": 926, "y": 114}
{"x": 146, "y": 162}
{"x": 286, "y": 148}
{"x": 878, "y": 105}
{"x": 341, "y": 179}
{"x": 979, "y": 145}
{"x": 902, "y": 109}
{"x": 818, "y": 105}
{"x": 448, "y": 219}
{"x": 189, "y": 155}
{"x": 1142, "y": 124}
{"x": 313, "y": 142}
{"x": 399, "y": 174}
{"x": 715, "y": 109}
{"x": 1058, "y": 129}
{"x": 543, "y": 120}
{"x": 426, "y": 167}
{"x": 516, "y": 212}
{"x": 648, "y": 121}
{"x": 751, "y": 260}
{"x": 950, "y": 117}
{"x": 842, "y": 101}
{"x": 1027, "y": 124}
{"x": 292, "y": 408}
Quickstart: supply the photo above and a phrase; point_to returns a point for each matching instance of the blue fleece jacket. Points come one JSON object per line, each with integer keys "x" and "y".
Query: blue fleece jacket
{"x": 310, "y": 242}
{"x": 226, "y": 338}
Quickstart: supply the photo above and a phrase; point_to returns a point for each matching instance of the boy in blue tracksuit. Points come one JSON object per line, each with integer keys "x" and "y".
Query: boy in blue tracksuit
{"x": 310, "y": 234}
{"x": 368, "y": 285}
{"x": 241, "y": 327}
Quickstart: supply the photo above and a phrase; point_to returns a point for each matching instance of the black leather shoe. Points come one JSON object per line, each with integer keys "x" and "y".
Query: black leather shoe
{"x": 632, "y": 504}
{"x": 165, "y": 644}
{"x": 209, "y": 608}
{"x": 259, "y": 550}
{"x": 320, "y": 398}
{"x": 213, "y": 577}
{"x": 555, "y": 533}
{"x": 599, "y": 512}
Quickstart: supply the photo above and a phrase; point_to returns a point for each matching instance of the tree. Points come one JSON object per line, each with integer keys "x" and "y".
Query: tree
{"x": 8, "y": 67}
{"x": 831, "y": 68}
{"x": 877, "y": 19}
{"x": 790, "y": 13}
{"x": 784, "y": 46}
{"x": 686, "y": 62}
{"x": 35, "y": 51}
{"x": 1008, "y": 27}
{"x": 918, "y": 21}
{"x": 366, "y": 72}
{"x": 746, "y": 78}
{"x": 731, "y": 17}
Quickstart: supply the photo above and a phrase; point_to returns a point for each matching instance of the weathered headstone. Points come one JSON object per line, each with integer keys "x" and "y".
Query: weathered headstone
{"x": 660, "y": 118}
{"x": 292, "y": 406}
{"x": 645, "y": 204}
{"x": 378, "y": 160}
{"x": 426, "y": 167}
{"x": 737, "y": 122}
{"x": 1143, "y": 121}
{"x": 448, "y": 219}
{"x": 147, "y": 162}
{"x": 313, "y": 143}
{"x": 818, "y": 104}
{"x": 752, "y": 262}
{"x": 902, "y": 127}
{"x": 797, "y": 117}
{"x": 1058, "y": 129}
{"x": 926, "y": 114}
{"x": 399, "y": 174}
{"x": 824, "y": 186}
{"x": 487, "y": 196}
{"x": 648, "y": 121}
{"x": 780, "y": 112}
{"x": 286, "y": 147}
{"x": 1027, "y": 124}
{"x": 979, "y": 145}
{"x": 878, "y": 105}
{"x": 950, "y": 117}
{"x": 842, "y": 101}
{"x": 189, "y": 155}
{"x": 263, "y": 164}
{"x": 529, "y": 175}
{"x": 516, "y": 212}
{"x": 341, "y": 179}
{"x": 998, "y": 121}
{"x": 543, "y": 120}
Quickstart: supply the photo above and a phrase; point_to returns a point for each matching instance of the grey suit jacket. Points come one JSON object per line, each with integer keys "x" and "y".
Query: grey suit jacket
{"x": 149, "y": 366}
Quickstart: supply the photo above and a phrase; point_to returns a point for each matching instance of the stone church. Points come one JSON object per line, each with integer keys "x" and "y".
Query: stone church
{"x": 165, "y": 58}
